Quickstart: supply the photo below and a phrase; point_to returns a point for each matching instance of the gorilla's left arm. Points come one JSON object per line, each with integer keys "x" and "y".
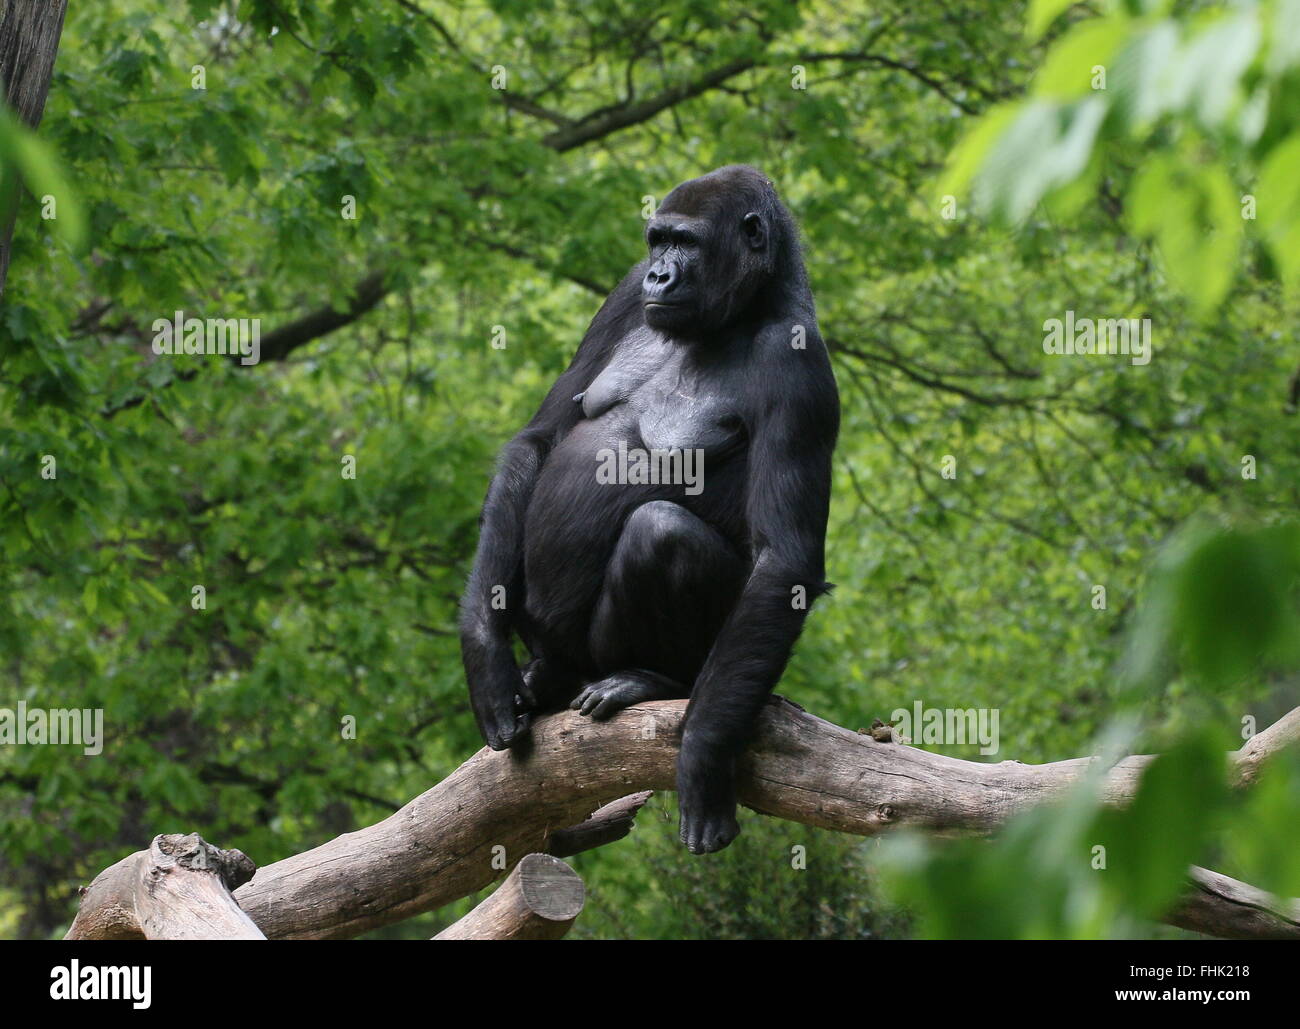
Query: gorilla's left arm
{"x": 792, "y": 428}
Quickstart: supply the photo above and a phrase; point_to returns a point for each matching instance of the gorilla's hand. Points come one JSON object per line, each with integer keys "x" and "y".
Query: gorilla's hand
{"x": 706, "y": 798}
{"x": 502, "y": 702}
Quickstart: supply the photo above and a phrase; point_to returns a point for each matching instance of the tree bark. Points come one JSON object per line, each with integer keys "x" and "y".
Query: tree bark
{"x": 447, "y": 842}
{"x": 29, "y": 42}
{"x": 178, "y": 889}
{"x": 1232, "y": 910}
{"x": 538, "y": 901}
{"x": 440, "y": 846}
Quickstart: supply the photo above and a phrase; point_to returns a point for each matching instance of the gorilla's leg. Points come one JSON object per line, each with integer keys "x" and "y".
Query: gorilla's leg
{"x": 669, "y": 586}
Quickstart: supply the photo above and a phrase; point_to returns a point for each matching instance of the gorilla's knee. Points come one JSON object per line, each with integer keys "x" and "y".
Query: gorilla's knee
{"x": 665, "y": 544}
{"x": 658, "y": 531}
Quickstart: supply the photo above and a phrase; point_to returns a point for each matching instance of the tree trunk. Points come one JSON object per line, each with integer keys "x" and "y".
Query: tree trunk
{"x": 29, "y": 41}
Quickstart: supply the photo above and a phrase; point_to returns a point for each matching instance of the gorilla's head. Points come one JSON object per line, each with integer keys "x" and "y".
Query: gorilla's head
{"x": 722, "y": 249}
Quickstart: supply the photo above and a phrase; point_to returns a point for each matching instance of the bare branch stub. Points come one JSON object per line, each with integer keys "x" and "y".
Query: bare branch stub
{"x": 605, "y": 825}
{"x": 178, "y": 889}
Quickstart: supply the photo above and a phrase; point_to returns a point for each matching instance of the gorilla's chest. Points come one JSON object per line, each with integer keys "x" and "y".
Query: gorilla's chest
{"x": 654, "y": 390}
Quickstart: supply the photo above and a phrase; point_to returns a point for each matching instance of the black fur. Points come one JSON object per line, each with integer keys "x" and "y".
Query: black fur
{"x": 630, "y": 592}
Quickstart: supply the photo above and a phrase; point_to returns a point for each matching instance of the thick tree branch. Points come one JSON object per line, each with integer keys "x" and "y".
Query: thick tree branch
{"x": 606, "y": 825}
{"x": 447, "y": 843}
{"x": 366, "y": 294}
{"x": 440, "y": 846}
{"x": 1232, "y": 910}
{"x": 1263, "y": 745}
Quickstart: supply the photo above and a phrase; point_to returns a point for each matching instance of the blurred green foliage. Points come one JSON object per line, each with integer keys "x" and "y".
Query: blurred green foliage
{"x": 330, "y": 597}
{"x": 1204, "y": 96}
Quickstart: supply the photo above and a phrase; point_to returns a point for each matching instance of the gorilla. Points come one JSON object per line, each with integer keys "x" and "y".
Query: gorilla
{"x": 651, "y": 587}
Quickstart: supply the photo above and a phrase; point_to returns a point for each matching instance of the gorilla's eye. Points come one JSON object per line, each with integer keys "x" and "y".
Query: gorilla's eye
{"x": 656, "y": 237}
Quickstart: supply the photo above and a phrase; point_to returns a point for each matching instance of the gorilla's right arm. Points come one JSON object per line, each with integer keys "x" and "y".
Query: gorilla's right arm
{"x": 494, "y": 678}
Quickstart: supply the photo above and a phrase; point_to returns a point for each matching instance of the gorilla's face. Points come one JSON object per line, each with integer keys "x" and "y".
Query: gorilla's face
{"x": 671, "y": 290}
{"x": 705, "y": 266}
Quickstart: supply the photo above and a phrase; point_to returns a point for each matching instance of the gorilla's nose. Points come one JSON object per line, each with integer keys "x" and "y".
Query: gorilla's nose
{"x": 659, "y": 282}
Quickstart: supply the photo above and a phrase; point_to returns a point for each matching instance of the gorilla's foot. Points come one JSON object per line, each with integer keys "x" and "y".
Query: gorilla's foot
{"x": 707, "y": 832}
{"x": 605, "y": 698}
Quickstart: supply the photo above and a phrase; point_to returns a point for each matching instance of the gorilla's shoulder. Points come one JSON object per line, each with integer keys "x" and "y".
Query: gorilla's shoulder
{"x": 792, "y": 345}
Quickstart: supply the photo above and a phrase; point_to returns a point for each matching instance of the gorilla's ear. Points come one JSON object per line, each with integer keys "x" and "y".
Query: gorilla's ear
{"x": 755, "y": 231}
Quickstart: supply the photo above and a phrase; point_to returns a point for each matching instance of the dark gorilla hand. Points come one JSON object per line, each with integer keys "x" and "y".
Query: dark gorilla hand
{"x": 501, "y": 700}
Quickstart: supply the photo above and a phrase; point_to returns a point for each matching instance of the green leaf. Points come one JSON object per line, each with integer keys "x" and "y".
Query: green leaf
{"x": 1068, "y": 69}
{"x": 1222, "y": 603}
{"x": 1041, "y": 15}
{"x": 1193, "y": 213}
{"x": 26, "y": 159}
{"x": 967, "y": 156}
{"x": 1278, "y": 206}
{"x": 1149, "y": 845}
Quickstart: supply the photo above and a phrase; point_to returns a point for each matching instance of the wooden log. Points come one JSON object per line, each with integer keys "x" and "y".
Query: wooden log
{"x": 178, "y": 889}
{"x": 1247, "y": 762}
{"x": 1223, "y": 907}
{"x": 440, "y": 846}
{"x": 538, "y": 900}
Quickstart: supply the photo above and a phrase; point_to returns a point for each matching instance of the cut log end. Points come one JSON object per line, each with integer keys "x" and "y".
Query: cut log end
{"x": 538, "y": 900}
{"x": 551, "y": 889}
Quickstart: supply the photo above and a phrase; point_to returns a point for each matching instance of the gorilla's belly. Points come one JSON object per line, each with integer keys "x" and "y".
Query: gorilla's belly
{"x": 577, "y": 508}
{"x": 570, "y": 530}
{"x": 632, "y": 452}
